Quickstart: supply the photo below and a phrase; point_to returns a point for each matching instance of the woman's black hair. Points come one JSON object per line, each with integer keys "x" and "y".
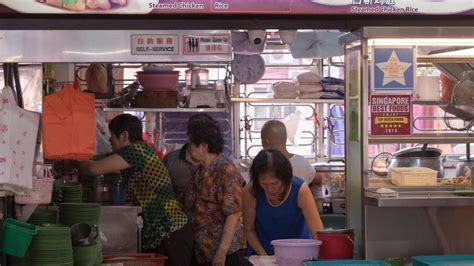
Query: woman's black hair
{"x": 205, "y": 129}
{"x": 129, "y": 123}
{"x": 270, "y": 161}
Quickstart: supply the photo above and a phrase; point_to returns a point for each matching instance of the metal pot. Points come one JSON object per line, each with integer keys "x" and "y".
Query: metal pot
{"x": 84, "y": 234}
{"x": 465, "y": 166}
{"x": 418, "y": 157}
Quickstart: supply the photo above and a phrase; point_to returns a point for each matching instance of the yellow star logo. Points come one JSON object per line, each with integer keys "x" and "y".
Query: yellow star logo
{"x": 393, "y": 69}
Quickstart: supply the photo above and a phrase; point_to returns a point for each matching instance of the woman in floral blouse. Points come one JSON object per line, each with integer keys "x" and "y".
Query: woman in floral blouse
{"x": 214, "y": 198}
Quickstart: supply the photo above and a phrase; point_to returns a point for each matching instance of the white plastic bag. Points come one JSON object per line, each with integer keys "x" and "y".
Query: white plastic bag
{"x": 18, "y": 132}
{"x": 293, "y": 130}
{"x": 102, "y": 135}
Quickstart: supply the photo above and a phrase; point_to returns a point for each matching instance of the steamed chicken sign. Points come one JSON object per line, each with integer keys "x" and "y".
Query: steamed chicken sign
{"x": 390, "y": 114}
{"x": 323, "y": 7}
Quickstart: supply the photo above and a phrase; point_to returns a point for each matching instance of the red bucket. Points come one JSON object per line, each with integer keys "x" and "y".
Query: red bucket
{"x": 337, "y": 244}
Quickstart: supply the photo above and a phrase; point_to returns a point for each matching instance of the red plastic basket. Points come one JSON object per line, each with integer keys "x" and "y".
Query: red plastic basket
{"x": 135, "y": 259}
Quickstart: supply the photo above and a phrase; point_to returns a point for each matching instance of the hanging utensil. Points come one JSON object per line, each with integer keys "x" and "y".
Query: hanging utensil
{"x": 248, "y": 126}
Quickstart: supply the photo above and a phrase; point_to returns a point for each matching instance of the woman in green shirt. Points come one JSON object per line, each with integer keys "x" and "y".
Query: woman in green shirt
{"x": 148, "y": 185}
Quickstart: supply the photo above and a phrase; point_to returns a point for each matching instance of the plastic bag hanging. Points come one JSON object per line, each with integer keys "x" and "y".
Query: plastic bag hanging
{"x": 69, "y": 128}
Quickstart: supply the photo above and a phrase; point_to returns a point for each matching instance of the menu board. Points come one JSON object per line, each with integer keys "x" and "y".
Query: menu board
{"x": 328, "y": 7}
{"x": 390, "y": 115}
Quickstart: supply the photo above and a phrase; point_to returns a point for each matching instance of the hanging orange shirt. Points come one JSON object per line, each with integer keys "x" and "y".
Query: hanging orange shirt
{"x": 69, "y": 125}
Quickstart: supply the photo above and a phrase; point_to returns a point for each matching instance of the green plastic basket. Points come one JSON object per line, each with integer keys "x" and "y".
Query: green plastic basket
{"x": 17, "y": 236}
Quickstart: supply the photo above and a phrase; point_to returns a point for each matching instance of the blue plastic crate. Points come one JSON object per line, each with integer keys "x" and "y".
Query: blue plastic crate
{"x": 444, "y": 260}
{"x": 346, "y": 262}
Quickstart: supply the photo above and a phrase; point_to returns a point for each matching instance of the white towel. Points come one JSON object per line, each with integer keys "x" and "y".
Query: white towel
{"x": 309, "y": 78}
{"x": 308, "y": 88}
{"x": 284, "y": 87}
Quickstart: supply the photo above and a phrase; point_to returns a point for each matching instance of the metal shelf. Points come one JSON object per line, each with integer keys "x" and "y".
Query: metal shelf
{"x": 442, "y": 138}
{"x": 420, "y": 199}
{"x": 436, "y": 103}
{"x": 167, "y": 110}
{"x": 445, "y": 59}
{"x": 271, "y": 100}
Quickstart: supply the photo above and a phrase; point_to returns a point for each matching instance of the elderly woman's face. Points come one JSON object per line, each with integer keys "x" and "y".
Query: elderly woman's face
{"x": 272, "y": 186}
{"x": 197, "y": 152}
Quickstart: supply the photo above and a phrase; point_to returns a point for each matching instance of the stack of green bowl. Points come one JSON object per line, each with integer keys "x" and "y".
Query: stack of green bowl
{"x": 86, "y": 255}
{"x": 71, "y": 192}
{"x": 51, "y": 246}
{"x": 99, "y": 258}
{"x": 43, "y": 216}
{"x": 76, "y": 213}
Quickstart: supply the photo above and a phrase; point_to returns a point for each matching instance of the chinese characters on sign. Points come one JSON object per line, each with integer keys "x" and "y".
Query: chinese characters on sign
{"x": 390, "y": 115}
{"x": 180, "y": 44}
{"x": 374, "y": 2}
{"x": 393, "y": 68}
{"x": 213, "y": 44}
{"x": 205, "y": 7}
{"x": 155, "y": 44}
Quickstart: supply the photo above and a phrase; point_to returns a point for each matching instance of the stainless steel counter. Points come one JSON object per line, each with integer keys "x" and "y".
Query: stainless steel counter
{"x": 118, "y": 225}
{"x": 421, "y": 220}
{"x": 120, "y": 208}
{"x": 420, "y": 199}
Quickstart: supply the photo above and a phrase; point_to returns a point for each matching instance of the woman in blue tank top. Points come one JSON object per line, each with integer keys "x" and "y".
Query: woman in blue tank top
{"x": 277, "y": 205}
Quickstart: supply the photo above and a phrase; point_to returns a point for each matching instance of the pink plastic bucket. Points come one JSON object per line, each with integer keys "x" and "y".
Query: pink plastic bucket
{"x": 294, "y": 252}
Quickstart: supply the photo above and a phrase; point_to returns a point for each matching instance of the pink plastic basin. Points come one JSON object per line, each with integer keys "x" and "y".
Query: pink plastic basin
{"x": 294, "y": 252}
{"x": 159, "y": 81}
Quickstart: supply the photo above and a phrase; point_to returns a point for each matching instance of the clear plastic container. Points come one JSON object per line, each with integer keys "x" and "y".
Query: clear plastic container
{"x": 220, "y": 94}
{"x": 197, "y": 77}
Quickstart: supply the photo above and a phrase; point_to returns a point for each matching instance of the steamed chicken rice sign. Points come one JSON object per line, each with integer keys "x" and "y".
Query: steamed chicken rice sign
{"x": 82, "y": 5}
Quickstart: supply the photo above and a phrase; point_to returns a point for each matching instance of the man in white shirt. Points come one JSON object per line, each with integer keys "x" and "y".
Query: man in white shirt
{"x": 274, "y": 136}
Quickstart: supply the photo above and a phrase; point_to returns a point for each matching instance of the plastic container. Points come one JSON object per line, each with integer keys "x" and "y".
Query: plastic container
{"x": 427, "y": 88}
{"x": 347, "y": 262}
{"x": 444, "y": 260}
{"x": 337, "y": 244}
{"x": 294, "y": 252}
{"x": 161, "y": 81}
{"x": 17, "y": 236}
{"x": 197, "y": 77}
{"x": 118, "y": 193}
{"x": 446, "y": 87}
{"x": 413, "y": 176}
{"x": 129, "y": 259}
{"x": 220, "y": 94}
{"x": 396, "y": 261}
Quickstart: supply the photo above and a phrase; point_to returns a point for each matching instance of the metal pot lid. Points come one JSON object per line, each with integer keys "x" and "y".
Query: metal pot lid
{"x": 429, "y": 152}
{"x": 336, "y": 231}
